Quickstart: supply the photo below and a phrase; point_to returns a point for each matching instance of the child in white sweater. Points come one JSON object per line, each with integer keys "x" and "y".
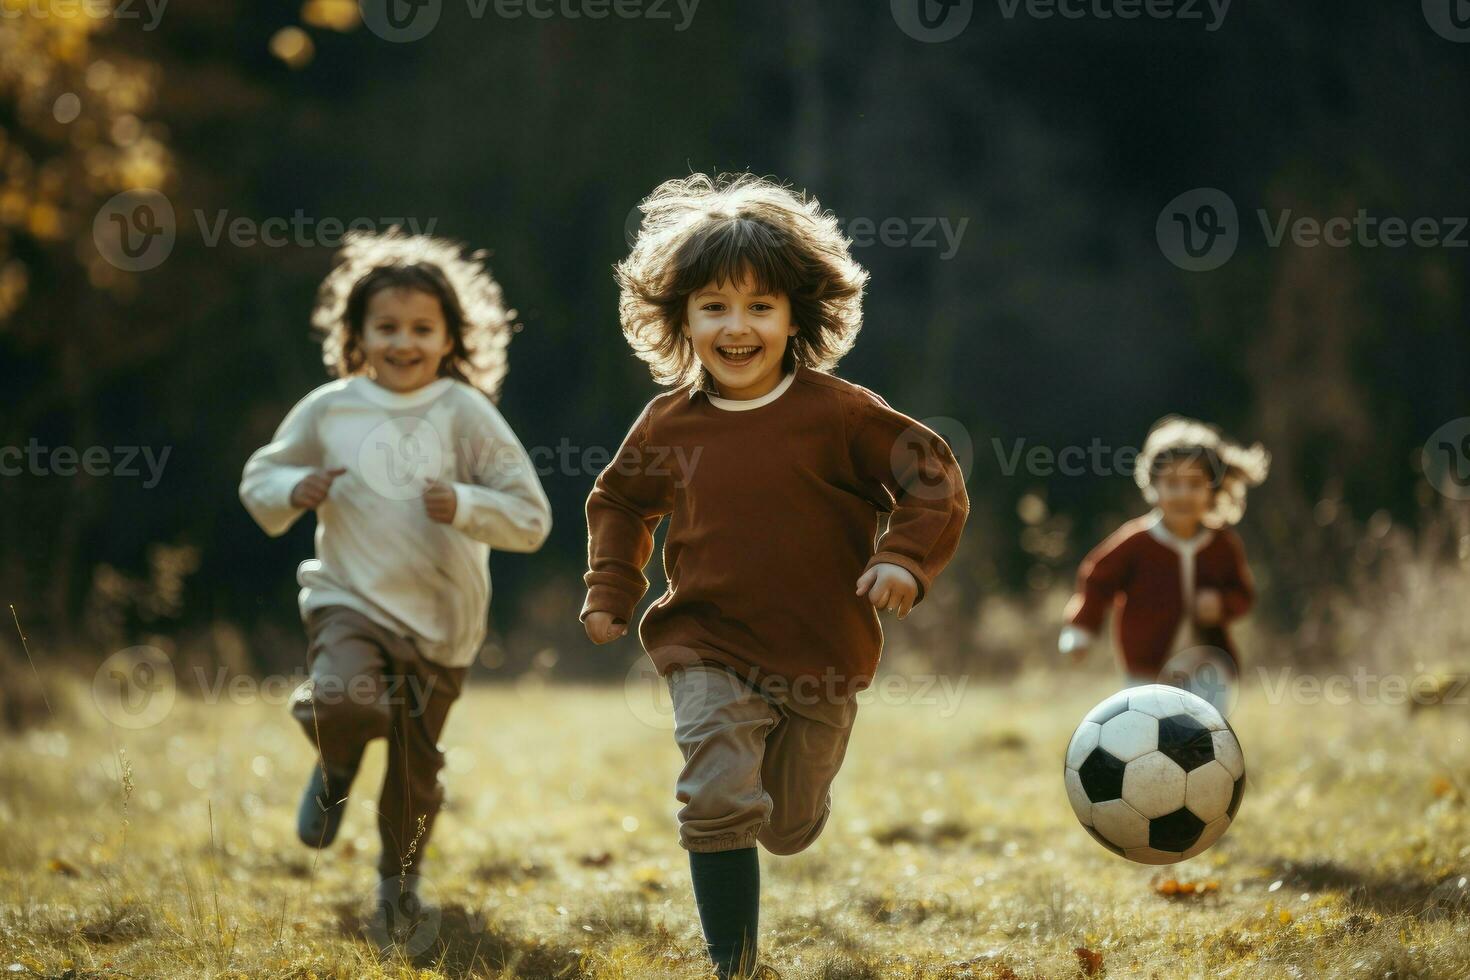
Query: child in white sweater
{"x": 414, "y": 476}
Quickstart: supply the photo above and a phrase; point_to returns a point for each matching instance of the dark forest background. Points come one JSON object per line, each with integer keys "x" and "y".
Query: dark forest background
{"x": 1057, "y": 320}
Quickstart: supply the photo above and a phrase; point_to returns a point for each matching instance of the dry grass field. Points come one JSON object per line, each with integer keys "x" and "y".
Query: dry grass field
{"x": 169, "y": 851}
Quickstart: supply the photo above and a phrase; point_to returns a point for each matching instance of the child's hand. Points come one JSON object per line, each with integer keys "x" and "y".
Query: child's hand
{"x": 889, "y": 587}
{"x": 312, "y": 490}
{"x": 603, "y": 627}
{"x": 1074, "y": 644}
{"x": 440, "y": 502}
{"x": 1208, "y": 608}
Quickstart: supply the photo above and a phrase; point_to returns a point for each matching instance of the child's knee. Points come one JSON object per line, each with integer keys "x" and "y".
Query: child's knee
{"x": 723, "y": 810}
{"x": 793, "y": 837}
{"x": 332, "y": 710}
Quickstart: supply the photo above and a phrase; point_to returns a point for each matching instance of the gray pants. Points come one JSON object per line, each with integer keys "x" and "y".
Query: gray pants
{"x": 755, "y": 770}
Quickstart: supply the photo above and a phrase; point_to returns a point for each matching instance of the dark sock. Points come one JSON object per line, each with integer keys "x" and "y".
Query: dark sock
{"x": 727, "y": 889}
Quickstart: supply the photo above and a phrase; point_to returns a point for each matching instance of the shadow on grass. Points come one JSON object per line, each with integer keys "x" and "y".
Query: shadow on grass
{"x": 466, "y": 945}
{"x": 1384, "y": 894}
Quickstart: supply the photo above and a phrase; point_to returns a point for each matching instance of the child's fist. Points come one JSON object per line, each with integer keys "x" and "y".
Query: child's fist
{"x": 1074, "y": 643}
{"x": 440, "y": 502}
{"x": 889, "y": 587}
{"x": 1207, "y": 607}
{"x": 603, "y": 627}
{"x": 313, "y": 488}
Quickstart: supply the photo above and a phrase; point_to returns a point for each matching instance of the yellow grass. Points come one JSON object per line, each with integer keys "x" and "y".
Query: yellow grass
{"x": 951, "y": 853}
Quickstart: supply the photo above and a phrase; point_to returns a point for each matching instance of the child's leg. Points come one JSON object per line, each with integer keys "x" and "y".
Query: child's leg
{"x": 803, "y": 756}
{"x": 721, "y": 726}
{"x": 423, "y": 692}
{"x": 341, "y": 708}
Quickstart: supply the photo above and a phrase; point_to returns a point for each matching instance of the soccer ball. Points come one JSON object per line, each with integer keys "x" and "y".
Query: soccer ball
{"x": 1155, "y": 774}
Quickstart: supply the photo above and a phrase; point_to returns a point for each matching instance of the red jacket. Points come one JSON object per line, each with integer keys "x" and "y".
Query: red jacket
{"x": 1144, "y": 571}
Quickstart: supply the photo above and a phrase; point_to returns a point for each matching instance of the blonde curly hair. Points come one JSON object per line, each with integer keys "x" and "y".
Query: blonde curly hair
{"x": 700, "y": 229}
{"x": 474, "y": 311}
{"x": 1232, "y": 469}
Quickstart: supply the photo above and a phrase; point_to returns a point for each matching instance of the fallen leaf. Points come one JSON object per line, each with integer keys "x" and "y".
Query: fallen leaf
{"x": 63, "y": 867}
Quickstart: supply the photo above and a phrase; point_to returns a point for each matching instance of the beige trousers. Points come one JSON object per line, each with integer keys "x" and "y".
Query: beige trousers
{"x": 755, "y": 769}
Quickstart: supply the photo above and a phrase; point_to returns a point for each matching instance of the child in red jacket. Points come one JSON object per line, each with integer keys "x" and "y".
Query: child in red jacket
{"x": 1177, "y": 575}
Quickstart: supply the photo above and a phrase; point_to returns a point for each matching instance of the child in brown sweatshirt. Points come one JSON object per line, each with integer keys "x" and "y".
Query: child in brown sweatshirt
{"x": 1177, "y": 576}
{"x": 775, "y": 476}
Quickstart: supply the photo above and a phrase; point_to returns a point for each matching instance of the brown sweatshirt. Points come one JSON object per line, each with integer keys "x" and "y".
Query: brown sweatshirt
{"x": 774, "y": 511}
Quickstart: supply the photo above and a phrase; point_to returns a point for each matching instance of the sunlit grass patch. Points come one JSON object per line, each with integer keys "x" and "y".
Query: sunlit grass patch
{"x": 951, "y": 851}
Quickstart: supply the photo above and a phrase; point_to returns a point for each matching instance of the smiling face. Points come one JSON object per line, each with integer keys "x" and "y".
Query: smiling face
{"x": 405, "y": 338}
{"x": 739, "y": 334}
{"x": 1185, "y": 494}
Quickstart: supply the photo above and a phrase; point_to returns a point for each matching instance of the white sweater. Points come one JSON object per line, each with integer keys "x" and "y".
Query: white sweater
{"x": 377, "y": 551}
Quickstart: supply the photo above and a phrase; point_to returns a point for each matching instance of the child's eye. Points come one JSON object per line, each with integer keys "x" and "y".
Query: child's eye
{"x": 761, "y": 307}
{"x": 713, "y": 307}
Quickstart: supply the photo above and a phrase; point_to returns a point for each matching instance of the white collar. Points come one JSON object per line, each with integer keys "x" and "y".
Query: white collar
{"x": 746, "y": 404}
{"x": 376, "y": 393}
{"x": 1167, "y": 537}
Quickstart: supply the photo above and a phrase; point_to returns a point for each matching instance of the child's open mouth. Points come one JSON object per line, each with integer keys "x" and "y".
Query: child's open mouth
{"x": 738, "y": 355}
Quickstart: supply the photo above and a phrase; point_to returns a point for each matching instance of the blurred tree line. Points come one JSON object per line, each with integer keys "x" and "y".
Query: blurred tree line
{"x": 1050, "y": 319}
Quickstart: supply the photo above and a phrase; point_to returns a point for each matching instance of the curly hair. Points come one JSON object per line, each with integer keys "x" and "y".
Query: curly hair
{"x": 701, "y": 229}
{"x": 474, "y": 311}
{"x": 1232, "y": 469}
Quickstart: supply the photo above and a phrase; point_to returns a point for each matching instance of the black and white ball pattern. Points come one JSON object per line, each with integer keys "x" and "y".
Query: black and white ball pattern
{"x": 1155, "y": 774}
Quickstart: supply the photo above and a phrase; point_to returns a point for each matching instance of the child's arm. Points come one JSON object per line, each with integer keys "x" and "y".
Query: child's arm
{"x": 273, "y": 472}
{"x": 505, "y": 507}
{"x": 623, "y": 510}
{"x": 1238, "y": 595}
{"x": 1102, "y": 573}
{"x": 910, "y": 472}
